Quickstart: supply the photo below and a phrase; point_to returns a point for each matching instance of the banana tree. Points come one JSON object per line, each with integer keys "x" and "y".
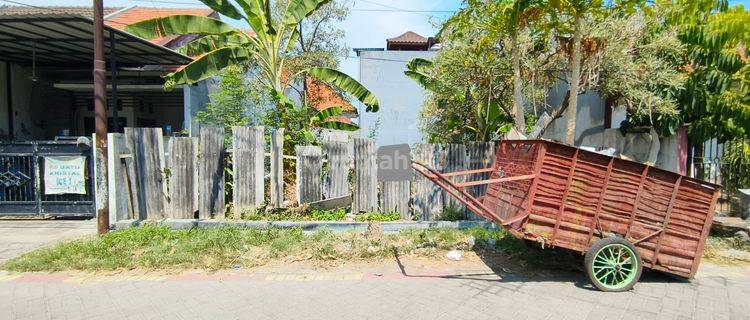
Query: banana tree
{"x": 220, "y": 45}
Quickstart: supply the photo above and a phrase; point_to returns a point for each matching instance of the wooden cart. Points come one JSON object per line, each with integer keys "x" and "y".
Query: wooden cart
{"x": 622, "y": 214}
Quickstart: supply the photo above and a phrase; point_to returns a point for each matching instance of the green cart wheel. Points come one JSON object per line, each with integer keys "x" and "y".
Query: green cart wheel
{"x": 613, "y": 264}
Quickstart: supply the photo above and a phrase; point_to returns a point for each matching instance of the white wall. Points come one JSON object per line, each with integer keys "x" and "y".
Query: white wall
{"x": 400, "y": 97}
{"x": 589, "y": 120}
{"x": 195, "y": 100}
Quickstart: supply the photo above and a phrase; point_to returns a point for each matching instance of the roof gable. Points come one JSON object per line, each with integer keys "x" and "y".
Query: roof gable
{"x": 409, "y": 37}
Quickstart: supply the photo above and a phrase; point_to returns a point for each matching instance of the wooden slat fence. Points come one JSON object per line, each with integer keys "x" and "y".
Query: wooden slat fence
{"x": 339, "y": 159}
{"x": 365, "y": 173}
{"x": 211, "y": 173}
{"x": 248, "y": 144}
{"x": 182, "y": 177}
{"x": 277, "y": 169}
{"x": 187, "y": 180}
{"x": 428, "y": 198}
{"x": 309, "y": 169}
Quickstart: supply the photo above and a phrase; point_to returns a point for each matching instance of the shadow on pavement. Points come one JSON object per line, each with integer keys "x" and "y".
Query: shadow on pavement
{"x": 509, "y": 270}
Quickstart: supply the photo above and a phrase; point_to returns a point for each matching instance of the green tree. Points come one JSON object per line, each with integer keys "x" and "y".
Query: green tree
{"x": 222, "y": 45}
{"x": 506, "y": 20}
{"x": 639, "y": 68}
{"x": 469, "y": 85}
{"x": 228, "y": 105}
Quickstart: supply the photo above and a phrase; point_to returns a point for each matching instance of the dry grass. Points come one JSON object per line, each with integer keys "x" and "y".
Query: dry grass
{"x": 727, "y": 250}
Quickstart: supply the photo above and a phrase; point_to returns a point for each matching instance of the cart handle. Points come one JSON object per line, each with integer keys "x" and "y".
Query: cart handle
{"x": 457, "y": 191}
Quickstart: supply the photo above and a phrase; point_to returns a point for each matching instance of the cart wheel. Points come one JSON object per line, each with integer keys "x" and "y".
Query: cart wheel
{"x": 613, "y": 264}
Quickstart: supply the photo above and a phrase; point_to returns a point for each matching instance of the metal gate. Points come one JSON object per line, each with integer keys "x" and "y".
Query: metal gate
{"x": 22, "y": 180}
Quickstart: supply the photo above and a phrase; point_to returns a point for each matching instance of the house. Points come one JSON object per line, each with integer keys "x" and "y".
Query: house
{"x": 46, "y": 87}
{"x": 382, "y": 71}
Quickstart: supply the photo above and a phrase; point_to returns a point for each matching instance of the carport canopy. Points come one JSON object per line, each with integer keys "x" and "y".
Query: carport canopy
{"x": 67, "y": 40}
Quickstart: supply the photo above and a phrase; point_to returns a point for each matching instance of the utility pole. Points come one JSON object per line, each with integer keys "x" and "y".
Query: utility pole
{"x": 100, "y": 120}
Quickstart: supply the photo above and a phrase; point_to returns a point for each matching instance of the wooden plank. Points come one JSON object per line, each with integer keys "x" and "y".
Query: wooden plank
{"x": 248, "y": 147}
{"x": 211, "y": 173}
{"x": 394, "y": 197}
{"x": 365, "y": 176}
{"x": 565, "y": 197}
{"x": 182, "y": 204}
{"x": 598, "y": 211}
{"x": 704, "y": 234}
{"x": 119, "y": 191}
{"x": 428, "y": 199}
{"x": 149, "y": 157}
{"x": 637, "y": 199}
{"x": 668, "y": 214}
{"x": 455, "y": 160}
{"x": 277, "y": 168}
{"x": 332, "y": 203}
{"x": 131, "y": 170}
{"x": 527, "y": 203}
{"x": 309, "y": 169}
{"x": 339, "y": 160}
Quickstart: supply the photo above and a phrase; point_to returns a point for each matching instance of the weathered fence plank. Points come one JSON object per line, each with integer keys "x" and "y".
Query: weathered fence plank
{"x": 339, "y": 158}
{"x": 148, "y": 155}
{"x": 248, "y": 145}
{"x": 428, "y": 197}
{"x": 481, "y": 155}
{"x": 455, "y": 160}
{"x": 182, "y": 202}
{"x": 394, "y": 196}
{"x": 365, "y": 176}
{"x": 277, "y": 168}
{"x": 211, "y": 172}
{"x": 309, "y": 169}
{"x": 120, "y": 205}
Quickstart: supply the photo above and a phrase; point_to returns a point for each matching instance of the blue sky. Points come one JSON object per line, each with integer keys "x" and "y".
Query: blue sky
{"x": 368, "y": 25}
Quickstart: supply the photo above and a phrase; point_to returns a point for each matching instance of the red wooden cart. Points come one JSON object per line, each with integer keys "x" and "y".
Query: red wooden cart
{"x": 622, "y": 214}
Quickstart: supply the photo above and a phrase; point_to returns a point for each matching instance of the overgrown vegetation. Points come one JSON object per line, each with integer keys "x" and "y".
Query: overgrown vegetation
{"x": 159, "y": 247}
{"x": 261, "y": 214}
{"x": 727, "y": 250}
{"x": 379, "y": 216}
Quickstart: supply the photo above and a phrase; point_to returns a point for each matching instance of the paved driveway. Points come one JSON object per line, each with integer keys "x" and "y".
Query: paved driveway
{"x": 373, "y": 291}
{"x": 19, "y": 236}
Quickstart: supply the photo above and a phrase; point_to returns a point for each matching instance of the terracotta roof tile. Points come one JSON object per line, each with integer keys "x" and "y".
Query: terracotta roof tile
{"x": 322, "y": 96}
{"x": 136, "y": 14}
{"x": 409, "y": 37}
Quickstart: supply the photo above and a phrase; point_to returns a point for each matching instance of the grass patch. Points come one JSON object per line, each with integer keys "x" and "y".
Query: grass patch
{"x": 159, "y": 247}
{"x": 379, "y": 216}
{"x": 295, "y": 215}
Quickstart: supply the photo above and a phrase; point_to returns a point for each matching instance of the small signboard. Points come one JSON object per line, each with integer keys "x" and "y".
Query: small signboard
{"x": 394, "y": 163}
{"x": 65, "y": 175}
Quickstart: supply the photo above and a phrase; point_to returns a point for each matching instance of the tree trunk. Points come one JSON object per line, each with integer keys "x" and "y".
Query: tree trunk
{"x": 575, "y": 78}
{"x": 518, "y": 110}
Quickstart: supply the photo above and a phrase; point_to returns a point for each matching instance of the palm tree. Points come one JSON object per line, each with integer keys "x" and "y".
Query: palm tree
{"x": 221, "y": 45}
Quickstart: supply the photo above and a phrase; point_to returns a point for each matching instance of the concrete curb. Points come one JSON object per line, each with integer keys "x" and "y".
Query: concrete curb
{"x": 335, "y": 226}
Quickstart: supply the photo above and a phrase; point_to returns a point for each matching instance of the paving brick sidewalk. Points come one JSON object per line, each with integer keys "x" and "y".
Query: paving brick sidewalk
{"x": 20, "y": 236}
{"x": 379, "y": 291}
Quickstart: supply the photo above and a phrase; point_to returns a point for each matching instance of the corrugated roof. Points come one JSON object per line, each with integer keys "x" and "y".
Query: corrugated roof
{"x": 87, "y": 12}
{"x": 66, "y": 39}
{"x": 409, "y": 37}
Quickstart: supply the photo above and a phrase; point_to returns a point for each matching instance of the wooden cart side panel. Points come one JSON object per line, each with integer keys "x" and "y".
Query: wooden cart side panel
{"x": 512, "y": 159}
